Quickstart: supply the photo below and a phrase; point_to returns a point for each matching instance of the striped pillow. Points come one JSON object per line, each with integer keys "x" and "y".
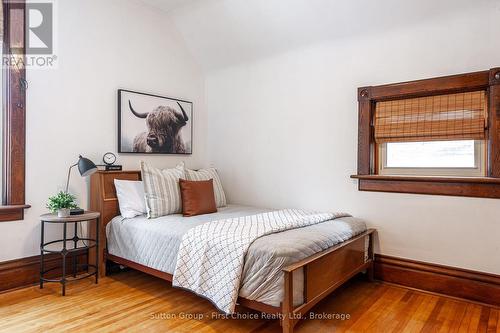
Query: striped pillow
{"x": 207, "y": 174}
{"x": 161, "y": 189}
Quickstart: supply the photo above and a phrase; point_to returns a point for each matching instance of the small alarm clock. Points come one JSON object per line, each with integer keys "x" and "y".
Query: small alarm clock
{"x": 109, "y": 159}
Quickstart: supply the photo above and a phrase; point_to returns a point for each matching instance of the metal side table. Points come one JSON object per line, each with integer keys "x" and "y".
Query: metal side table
{"x": 72, "y": 250}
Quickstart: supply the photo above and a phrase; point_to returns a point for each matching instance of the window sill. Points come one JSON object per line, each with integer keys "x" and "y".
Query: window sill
{"x": 481, "y": 187}
{"x": 12, "y": 212}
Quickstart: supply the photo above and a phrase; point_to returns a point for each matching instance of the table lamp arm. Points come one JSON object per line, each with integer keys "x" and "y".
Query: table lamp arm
{"x": 69, "y": 174}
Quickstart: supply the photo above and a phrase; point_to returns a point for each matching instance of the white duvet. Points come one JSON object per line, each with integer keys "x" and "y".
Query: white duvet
{"x": 155, "y": 243}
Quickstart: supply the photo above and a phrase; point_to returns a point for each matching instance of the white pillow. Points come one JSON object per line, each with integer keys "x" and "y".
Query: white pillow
{"x": 130, "y": 194}
{"x": 207, "y": 174}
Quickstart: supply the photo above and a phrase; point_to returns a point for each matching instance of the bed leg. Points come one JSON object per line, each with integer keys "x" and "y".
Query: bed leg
{"x": 370, "y": 273}
{"x": 287, "y": 320}
{"x": 371, "y": 256}
{"x": 286, "y": 325}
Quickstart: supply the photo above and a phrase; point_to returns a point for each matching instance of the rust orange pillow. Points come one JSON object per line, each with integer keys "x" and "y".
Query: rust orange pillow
{"x": 197, "y": 197}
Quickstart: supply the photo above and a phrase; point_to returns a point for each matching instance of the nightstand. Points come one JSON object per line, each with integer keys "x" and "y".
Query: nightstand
{"x": 69, "y": 247}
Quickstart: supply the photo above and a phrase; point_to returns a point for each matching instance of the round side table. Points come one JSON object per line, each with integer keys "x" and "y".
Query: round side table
{"x": 71, "y": 251}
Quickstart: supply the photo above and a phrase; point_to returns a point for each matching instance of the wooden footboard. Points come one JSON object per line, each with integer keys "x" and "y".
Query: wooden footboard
{"x": 324, "y": 272}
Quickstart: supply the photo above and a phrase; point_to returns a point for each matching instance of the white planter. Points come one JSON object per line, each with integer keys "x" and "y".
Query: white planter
{"x": 63, "y": 212}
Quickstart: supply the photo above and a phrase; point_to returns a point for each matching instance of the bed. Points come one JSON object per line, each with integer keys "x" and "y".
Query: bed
{"x": 284, "y": 273}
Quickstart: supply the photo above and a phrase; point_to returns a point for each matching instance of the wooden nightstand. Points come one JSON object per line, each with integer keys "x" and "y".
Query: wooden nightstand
{"x": 72, "y": 250}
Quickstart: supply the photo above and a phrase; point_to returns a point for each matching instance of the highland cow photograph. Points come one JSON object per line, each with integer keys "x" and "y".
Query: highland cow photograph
{"x": 152, "y": 124}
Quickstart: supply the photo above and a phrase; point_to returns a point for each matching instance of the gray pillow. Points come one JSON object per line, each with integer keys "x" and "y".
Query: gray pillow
{"x": 161, "y": 189}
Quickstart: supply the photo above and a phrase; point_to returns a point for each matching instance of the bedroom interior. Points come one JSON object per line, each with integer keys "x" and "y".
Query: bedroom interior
{"x": 250, "y": 166}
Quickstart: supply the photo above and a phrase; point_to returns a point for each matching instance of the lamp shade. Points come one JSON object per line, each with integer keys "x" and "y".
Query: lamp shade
{"x": 86, "y": 166}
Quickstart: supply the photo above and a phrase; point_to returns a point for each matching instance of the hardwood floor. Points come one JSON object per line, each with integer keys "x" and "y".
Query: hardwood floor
{"x": 133, "y": 301}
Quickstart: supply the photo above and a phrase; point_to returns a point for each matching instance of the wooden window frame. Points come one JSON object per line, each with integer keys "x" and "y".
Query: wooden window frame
{"x": 369, "y": 180}
{"x": 14, "y": 121}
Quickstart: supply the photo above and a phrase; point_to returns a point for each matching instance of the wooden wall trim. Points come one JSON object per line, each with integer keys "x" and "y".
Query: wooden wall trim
{"x": 364, "y": 132}
{"x": 456, "y": 282}
{"x": 438, "y": 85}
{"x": 464, "y": 187}
{"x": 368, "y": 96}
{"x": 494, "y": 124}
{"x": 14, "y": 113}
{"x": 26, "y": 271}
{"x": 451, "y": 281}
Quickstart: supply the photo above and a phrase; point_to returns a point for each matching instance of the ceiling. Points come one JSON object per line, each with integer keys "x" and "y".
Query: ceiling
{"x": 168, "y": 5}
{"x": 221, "y": 33}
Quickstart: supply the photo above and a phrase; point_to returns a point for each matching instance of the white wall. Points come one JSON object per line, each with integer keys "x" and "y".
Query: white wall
{"x": 282, "y": 127}
{"x": 103, "y": 46}
{"x": 283, "y": 132}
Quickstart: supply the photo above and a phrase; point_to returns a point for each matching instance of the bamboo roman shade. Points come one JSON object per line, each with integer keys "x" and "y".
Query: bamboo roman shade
{"x": 460, "y": 116}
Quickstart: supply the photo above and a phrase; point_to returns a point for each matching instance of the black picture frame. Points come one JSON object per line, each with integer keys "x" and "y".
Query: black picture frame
{"x": 168, "y": 100}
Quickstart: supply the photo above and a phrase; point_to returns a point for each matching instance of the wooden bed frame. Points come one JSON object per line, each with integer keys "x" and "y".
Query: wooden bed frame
{"x": 323, "y": 272}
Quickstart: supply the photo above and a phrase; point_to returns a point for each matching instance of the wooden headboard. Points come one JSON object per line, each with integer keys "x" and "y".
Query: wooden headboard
{"x": 103, "y": 200}
{"x": 103, "y": 193}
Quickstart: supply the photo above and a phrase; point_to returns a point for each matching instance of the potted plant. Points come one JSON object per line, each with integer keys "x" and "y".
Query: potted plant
{"x": 61, "y": 203}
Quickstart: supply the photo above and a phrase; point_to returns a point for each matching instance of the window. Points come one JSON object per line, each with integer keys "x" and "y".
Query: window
{"x": 13, "y": 112}
{"x": 433, "y": 158}
{"x": 433, "y": 136}
{"x": 439, "y": 135}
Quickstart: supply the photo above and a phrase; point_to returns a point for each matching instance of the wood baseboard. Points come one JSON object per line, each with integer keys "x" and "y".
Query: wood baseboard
{"x": 26, "y": 271}
{"x": 451, "y": 281}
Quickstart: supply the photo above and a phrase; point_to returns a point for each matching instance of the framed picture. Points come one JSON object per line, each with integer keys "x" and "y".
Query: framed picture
{"x": 152, "y": 124}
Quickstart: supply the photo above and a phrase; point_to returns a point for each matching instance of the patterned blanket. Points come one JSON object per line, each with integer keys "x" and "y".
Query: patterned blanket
{"x": 211, "y": 256}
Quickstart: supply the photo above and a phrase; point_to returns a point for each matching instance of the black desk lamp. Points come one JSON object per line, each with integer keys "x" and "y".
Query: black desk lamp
{"x": 85, "y": 166}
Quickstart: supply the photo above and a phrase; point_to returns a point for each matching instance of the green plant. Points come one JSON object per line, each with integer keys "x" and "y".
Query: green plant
{"x": 61, "y": 200}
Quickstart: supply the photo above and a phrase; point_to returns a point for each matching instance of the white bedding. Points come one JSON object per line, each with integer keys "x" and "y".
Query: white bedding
{"x": 154, "y": 243}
